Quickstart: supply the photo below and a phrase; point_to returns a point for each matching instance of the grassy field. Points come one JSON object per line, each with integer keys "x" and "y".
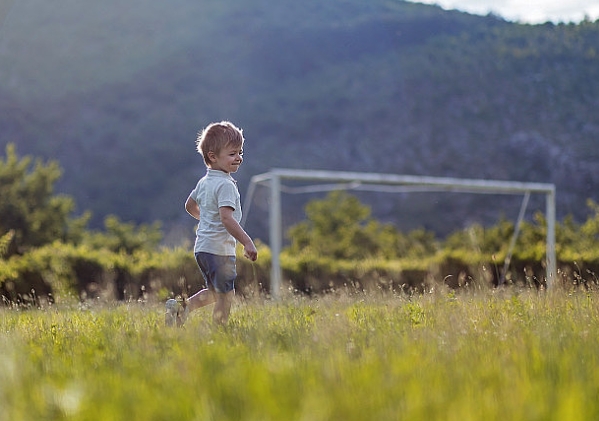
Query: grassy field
{"x": 490, "y": 355}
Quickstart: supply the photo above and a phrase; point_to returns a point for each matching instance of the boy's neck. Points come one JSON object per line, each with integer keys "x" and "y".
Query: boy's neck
{"x": 217, "y": 169}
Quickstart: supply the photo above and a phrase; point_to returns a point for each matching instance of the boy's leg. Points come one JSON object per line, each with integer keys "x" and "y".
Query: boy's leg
{"x": 219, "y": 273}
{"x": 205, "y": 296}
{"x": 222, "y": 308}
{"x": 200, "y": 299}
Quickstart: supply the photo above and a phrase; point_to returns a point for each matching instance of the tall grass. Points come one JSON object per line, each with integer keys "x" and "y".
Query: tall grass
{"x": 492, "y": 355}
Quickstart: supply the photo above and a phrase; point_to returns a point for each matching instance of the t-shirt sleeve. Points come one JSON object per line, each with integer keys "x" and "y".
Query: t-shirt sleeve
{"x": 194, "y": 193}
{"x": 227, "y": 195}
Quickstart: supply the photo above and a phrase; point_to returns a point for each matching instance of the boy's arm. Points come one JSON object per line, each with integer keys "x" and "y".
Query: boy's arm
{"x": 192, "y": 208}
{"x": 233, "y": 227}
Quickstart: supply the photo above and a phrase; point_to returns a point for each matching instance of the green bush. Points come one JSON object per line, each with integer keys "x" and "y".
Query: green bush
{"x": 28, "y": 206}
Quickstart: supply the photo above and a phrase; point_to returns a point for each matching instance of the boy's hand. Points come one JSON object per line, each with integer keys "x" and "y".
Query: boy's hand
{"x": 250, "y": 252}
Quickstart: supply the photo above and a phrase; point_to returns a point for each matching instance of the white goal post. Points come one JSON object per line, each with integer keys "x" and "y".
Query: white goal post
{"x": 392, "y": 183}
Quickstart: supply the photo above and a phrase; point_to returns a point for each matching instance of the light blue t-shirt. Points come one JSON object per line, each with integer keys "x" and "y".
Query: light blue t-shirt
{"x": 215, "y": 190}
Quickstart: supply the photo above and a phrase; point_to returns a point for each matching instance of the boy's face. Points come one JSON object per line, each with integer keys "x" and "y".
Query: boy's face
{"x": 228, "y": 160}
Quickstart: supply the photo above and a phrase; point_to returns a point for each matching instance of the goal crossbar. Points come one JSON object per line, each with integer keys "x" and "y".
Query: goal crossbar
{"x": 392, "y": 183}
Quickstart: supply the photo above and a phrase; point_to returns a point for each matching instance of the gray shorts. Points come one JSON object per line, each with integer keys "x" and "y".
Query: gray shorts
{"x": 219, "y": 272}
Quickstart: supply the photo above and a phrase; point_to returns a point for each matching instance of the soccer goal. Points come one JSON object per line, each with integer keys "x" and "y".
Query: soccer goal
{"x": 391, "y": 183}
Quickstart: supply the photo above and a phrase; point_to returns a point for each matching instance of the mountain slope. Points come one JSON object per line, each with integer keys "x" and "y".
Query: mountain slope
{"x": 118, "y": 91}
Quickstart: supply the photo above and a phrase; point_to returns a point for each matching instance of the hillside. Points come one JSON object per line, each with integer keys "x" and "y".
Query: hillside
{"x": 117, "y": 91}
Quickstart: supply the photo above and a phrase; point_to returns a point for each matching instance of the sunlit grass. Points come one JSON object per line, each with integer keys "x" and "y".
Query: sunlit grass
{"x": 491, "y": 355}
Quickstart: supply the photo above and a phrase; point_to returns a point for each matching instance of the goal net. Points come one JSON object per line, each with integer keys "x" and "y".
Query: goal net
{"x": 390, "y": 183}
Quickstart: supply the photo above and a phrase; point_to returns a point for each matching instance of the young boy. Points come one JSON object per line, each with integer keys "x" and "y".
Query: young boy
{"x": 215, "y": 203}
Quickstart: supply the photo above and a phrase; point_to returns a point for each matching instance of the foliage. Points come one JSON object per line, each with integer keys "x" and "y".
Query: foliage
{"x": 417, "y": 260}
{"x": 487, "y": 240}
{"x": 28, "y": 206}
{"x": 442, "y": 356}
{"x": 124, "y": 237}
{"x": 52, "y": 253}
{"x": 5, "y": 241}
{"x": 59, "y": 271}
{"x": 340, "y": 227}
{"x": 336, "y": 227}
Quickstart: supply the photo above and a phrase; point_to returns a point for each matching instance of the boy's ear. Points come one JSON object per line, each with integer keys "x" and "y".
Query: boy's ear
{"x": 211, "y": 156}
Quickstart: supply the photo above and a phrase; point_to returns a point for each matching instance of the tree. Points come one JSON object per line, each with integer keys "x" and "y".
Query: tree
{"x": 125, "y": 237}
{"x": 341, "y": 227}
{"x": 337, "y": 226}
{"x": 28, "y": 206}
{"x": 5, "y": 241}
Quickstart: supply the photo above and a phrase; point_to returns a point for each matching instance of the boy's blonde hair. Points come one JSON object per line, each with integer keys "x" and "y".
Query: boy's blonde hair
{"x": 217, "y": 136}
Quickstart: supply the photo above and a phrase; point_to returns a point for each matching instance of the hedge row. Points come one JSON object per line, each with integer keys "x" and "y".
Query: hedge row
{"x": 66, "y": 270}
{"x": 63, "y": 270}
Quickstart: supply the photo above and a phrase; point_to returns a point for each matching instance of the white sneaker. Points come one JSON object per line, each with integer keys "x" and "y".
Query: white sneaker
{"x": 170, "y": 315}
